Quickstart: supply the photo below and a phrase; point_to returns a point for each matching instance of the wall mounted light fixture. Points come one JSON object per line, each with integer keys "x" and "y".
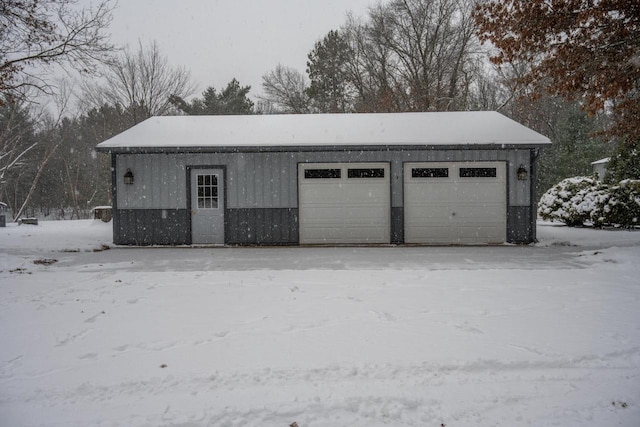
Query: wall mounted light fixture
{"x": 128, "y": 177}
{"x": 522, "y": 173}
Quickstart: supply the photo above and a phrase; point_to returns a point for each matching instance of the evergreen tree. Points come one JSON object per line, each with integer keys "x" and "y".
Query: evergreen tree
{"x": 232, "y": 99}
{"x": 625, "y": 162}
{"x": 574, "y": 145}
{"x": 330, "y": 89}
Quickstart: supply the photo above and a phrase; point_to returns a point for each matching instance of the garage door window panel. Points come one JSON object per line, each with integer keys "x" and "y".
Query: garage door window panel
{"x": 478, "y": 172}
{"x": 365, "y": 173}
{"x": 430, "y": 172}
{"x": 322, "y": 174}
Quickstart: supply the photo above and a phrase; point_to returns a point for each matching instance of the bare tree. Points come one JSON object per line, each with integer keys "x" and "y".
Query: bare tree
{"x": 142, "y": 82}
{"x": 51, "y": 140}
{"x": 431, "y": 40}
{"x": 414, "y": 55}
{"x": 16, "y": 137}
{"x": 488, "y": 93}
{"x": 285, "y": 88}
{"x": 37, "y": 34}
{"x": 372, "y": 69}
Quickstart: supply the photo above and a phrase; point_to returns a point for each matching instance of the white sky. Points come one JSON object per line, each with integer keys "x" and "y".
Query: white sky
{"x": 218, "y": 40}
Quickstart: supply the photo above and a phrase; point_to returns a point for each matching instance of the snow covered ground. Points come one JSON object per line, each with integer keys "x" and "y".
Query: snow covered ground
{"x": 544, "y": 335}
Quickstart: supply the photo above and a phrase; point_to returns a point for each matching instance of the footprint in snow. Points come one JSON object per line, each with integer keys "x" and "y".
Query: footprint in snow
{"x": 94, "y": 318}
{"x": 89, "y": 356}
{"x": 72, "y": 337}
{"x": 160, "y": 346}
{"x": 468, "y": 328}
{"x": 383, "y": 315}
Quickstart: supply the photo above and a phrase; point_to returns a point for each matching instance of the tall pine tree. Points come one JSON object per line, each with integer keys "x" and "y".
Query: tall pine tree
{"x": 330, "y": 90}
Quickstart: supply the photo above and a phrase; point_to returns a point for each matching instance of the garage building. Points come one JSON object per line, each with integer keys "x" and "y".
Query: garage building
{"x": 392, "y": 178}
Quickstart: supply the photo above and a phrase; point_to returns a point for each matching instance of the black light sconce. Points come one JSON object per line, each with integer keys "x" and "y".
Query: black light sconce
{"x": 128, "y": 177}
{"x": 522, "y": 173}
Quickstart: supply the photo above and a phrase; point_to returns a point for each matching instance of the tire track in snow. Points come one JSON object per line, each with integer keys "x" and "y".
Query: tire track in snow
{"x": 364, "y": 395}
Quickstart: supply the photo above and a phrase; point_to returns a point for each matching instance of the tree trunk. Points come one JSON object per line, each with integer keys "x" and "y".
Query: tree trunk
{"x": 34, "y": 184}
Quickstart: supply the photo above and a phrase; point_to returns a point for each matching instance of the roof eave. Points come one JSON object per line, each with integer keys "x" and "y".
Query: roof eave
{"x": 312, "y": 148}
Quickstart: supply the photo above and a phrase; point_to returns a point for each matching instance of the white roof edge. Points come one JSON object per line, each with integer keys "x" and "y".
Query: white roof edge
{"x": 308, "y": 130}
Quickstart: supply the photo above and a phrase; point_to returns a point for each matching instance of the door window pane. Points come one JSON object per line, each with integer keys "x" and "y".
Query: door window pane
{"x": 207, "y": 191}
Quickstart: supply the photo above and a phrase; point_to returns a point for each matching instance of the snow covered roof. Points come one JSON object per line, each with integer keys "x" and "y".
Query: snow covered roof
{"x": 601, "y": 161}
{"x": 309, "y": 130}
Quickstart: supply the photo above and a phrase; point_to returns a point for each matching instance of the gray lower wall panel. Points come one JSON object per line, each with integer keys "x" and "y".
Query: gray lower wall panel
{"x": 151, "y": 227}
{"x": 397, "y": 225}
{"x": 271, "y": 226}
{"x": 520, "y": 225}
{"x": 242, "y": 227}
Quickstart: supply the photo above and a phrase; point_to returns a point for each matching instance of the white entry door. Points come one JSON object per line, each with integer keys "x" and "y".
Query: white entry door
{"x": 453, "y": 203}
{"x": 207, "y": 206}
{"x": 344, "y": 203}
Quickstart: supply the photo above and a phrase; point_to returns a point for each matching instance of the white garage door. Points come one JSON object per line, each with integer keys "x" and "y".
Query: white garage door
{"x": 343, "y": 203}
{"x": 455, "y": 202}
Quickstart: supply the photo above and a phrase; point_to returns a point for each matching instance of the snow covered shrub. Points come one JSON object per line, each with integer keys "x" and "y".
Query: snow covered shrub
{"x": 577, "y": 200}
{"x": 564, "y": 201}
{"x": 588, "y": 204}
{"x": 621, "y": 205}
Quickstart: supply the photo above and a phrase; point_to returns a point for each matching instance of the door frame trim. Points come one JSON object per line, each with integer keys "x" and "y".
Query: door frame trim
{"x": 189, "y": 169}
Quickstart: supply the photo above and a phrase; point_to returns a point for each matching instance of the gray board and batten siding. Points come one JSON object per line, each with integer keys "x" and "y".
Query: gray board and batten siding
{"x": 261, "y": 186}
{"x": 262, "y": 193}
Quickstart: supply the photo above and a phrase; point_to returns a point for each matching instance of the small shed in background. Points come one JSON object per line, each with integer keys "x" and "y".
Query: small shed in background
{"x": 3, "y": 218}
{"x": 600, "y": 167}
{"x": 392, "y": 178}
